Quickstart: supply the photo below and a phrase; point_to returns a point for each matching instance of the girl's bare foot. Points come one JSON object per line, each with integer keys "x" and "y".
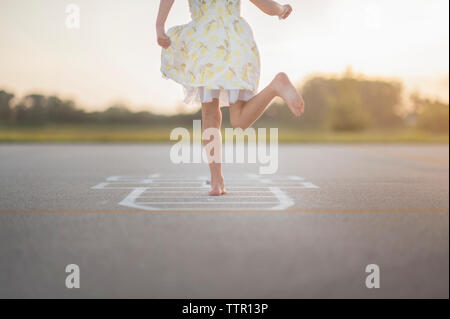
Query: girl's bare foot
{"x": 286, "y": 90}
{"x": 217, "y": 187}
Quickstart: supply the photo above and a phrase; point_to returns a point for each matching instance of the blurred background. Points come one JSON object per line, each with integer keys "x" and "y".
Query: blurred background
{"x": 369, "y": 71}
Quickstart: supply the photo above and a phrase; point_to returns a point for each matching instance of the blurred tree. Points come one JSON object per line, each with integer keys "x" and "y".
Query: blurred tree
{"x": 63, "y": 111}
{"x": 5, "y": 106}
{"x": 382, "y": 100}
{"x": 431, "y": 115}
{"x": 32, "y": 110}
{"x": 351, "y": 103}
{"x": 347, "y": 109}
{"x": 117, "y": 114}
{"x": 345, "y": 103}
{"x": 317, "y": 93}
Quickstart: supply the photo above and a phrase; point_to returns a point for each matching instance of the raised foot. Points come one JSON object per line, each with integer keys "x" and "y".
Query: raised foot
{"x": 287, "y": 91}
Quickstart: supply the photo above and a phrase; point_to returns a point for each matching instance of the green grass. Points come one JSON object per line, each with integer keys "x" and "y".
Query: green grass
{"x": 140, "y": 133}
{"x": 385, "y": 136}
{"x": 83, "y": 133}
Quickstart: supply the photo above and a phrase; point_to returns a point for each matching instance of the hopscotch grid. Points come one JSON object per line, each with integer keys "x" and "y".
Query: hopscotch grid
{"x": 228, "y": 187}
{"x": 197, "y": 184}
{"x": 143, "y": 186}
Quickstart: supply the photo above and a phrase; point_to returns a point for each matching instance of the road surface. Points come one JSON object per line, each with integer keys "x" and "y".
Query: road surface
{"x": 139, "y": 226}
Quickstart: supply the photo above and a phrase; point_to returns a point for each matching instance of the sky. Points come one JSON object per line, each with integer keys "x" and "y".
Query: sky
{"x": 113, "y": 57}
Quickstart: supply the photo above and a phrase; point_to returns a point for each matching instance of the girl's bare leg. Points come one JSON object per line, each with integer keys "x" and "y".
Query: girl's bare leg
{"x": 212, "y": 118}
{"x": 244, "y": 114}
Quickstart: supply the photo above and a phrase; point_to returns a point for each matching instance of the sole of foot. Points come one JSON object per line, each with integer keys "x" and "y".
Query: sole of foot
{"x": 287, "y": 91}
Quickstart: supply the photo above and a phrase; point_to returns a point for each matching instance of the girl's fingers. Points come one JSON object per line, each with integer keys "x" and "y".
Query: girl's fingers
{"x": 164, "y": 41}
{"x": 164, "y": 38}
{"x": 165, "y": 45}
{"x": 287, "y": 12}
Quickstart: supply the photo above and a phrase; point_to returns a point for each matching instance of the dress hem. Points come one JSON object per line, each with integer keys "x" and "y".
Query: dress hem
{"x": 202, "y": 94}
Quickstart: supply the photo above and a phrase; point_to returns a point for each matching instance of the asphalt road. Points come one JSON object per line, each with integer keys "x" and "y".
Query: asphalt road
{"x": 139, "y": 226}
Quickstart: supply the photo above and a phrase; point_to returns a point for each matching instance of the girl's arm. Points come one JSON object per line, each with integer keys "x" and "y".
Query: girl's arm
{"x": 273, "y": 8}
{"x": 164, "y": 9}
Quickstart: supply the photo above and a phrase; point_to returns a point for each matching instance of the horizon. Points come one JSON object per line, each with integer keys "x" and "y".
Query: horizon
{"x": 121, "y": 59}
{"x": 181, "y": 108}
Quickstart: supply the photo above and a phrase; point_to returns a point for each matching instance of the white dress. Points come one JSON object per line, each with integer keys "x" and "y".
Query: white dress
{"x": 213, "y": 56}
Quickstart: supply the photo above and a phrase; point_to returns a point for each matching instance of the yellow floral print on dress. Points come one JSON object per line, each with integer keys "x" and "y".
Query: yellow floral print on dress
{"x": 215, "y": 55}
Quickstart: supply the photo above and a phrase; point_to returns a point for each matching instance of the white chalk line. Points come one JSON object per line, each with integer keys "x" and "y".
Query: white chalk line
{"x": 119, "y": 179}
{"x": 201, "y": 183}
{"x": 227, "y": 187}
{"x": 203, "y": 192}
{"x": 204, "y": 197}
{"x": 207, "y": 203}
{"x": 284, "y": 200}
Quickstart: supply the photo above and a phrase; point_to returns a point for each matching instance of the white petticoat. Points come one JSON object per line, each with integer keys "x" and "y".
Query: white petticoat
{"x": 226, "y": 97}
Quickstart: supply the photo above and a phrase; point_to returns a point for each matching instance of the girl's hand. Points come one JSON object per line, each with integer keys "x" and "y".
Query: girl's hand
{"x": 287, "y": 10}
{"x": 163, "y": 38}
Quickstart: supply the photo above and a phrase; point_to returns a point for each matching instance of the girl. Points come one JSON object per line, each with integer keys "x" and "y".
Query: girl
{"x": 216, "y": 59}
